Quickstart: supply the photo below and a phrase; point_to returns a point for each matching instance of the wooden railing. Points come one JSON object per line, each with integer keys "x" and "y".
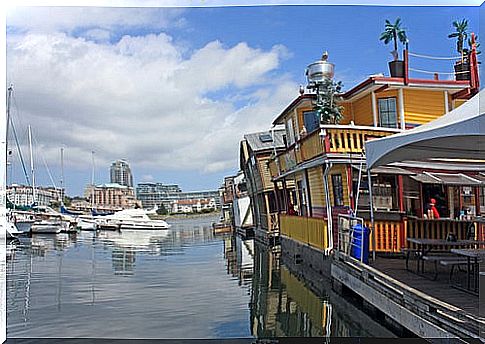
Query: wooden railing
{"x": 307, "y": 230}
{"x": 438, "y": 229}
{"x": 312, "y": 146}
{"x": 388, "y": 236}
{"x": 337, "y": 139}
{"x": 349, "y": 140}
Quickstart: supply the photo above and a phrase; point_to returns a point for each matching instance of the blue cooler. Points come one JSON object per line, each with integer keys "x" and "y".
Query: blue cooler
{"x": 359, "y": 244}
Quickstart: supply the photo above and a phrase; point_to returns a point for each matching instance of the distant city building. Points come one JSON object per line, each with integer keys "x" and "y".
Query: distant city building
{"x": 120, "y": 173}
{"x": 156, "y": 194}
{"x": 111, "y": 196}
{"x": 21, "y": 195}
{"x": 193, "y": 205}
{"x": 169, "y": 195}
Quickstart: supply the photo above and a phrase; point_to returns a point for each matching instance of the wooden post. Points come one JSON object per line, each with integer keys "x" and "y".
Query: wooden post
{"x": 278, "y": 208}
{"x": 400, "y": 188}
{"x": 285, "y": 195}
{"x": 477, "y": 201}
{"x": 308, "y": 194}
{"x": 350, "y": 188}
{"x": 406, "y": 66}
{"x": 421, "y": 205}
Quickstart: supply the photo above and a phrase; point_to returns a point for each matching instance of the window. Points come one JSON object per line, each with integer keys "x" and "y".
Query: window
{"x": 311, "y": 120}
{"x": 338, "y": 190}
{"x": 387, "y": 112}
{"x": 290, "y": 132}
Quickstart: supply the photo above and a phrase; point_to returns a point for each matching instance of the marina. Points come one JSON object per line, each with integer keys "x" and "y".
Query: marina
{"x": 211, "y": 186}
{"x": 141, "y": 283}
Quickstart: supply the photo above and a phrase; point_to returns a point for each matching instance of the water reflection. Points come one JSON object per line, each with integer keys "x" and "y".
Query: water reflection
{"x": 181, "y": 283}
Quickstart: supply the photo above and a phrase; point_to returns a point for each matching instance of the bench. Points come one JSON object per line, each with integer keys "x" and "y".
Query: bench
{"x": 444, "y": 260}
{"x": 407, "y": 252}
{"x": 454, "y": 262}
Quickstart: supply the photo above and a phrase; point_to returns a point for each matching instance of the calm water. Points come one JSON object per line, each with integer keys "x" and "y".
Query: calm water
{"x": 182, "y": 283}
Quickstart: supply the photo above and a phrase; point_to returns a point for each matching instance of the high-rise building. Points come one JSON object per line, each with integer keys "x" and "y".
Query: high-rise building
{"x": 121, "y": 173}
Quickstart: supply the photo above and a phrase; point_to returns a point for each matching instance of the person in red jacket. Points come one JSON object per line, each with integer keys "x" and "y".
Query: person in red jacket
{"x": 436, "y": 214}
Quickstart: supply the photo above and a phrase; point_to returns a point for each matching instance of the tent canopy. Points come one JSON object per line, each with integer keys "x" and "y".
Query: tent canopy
{"x": 459, "y": 134}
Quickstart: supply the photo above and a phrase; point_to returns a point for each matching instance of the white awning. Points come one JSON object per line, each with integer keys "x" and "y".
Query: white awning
{"x": 447, "y": 179}
{"x": 459, "y": 134}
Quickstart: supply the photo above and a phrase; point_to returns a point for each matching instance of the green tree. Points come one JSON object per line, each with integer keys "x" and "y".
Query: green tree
{"x": 326, "y": 105}
{"x": 394, "y": 32}
{"x": 162, "y": 210}
{"x": 460, "y": 34}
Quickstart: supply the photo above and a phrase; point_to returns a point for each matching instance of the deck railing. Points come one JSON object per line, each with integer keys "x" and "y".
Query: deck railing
{"x": 307, "y": 230}
{"x": 336, "y": 139}
{"x": 388, "y": 236}
{"x": 439, "y": 229}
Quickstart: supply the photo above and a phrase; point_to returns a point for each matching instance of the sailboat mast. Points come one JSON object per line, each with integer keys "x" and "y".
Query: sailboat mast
{"x": 62, "y": 176}
{"x": 9, "y": 101}
{"x": 92, "y": 181}
{"x": 32, "y": 165}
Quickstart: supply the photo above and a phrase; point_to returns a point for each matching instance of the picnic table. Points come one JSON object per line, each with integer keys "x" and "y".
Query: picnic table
{"x": 472, "y": 268}
{"x": 425, "y": 246}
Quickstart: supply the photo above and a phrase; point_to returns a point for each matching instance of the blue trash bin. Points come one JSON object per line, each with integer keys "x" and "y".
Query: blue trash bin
{"x": 360, "y": 242}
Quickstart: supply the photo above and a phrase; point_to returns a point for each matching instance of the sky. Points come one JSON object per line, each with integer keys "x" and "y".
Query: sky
{"x": 173, "y": 90}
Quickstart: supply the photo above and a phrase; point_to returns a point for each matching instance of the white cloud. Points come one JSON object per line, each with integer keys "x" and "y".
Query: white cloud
{"x": 67, "y": 19}
{"x": 142, "y": 99}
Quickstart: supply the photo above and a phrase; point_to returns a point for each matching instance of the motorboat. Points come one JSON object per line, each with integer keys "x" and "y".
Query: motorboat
{"x": 87, "y": 223}
{"x": 135, "y": 219}
{"x": 23, "y": 220}
{"x": 12, "y": 231}
{"x": 53, "y": 226}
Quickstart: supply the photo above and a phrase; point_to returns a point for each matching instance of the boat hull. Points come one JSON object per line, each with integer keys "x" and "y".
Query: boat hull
{"x": 143, "y": 225}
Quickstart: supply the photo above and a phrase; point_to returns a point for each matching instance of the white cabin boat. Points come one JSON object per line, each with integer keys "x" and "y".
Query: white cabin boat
{"x": 53, "y": 226}
{"x": 135, "y": 219}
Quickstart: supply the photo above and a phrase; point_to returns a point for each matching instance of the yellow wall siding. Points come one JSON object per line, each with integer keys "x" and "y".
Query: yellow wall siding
{"x": 423, "y": 106}
{"x": 346, "y": 112}
{"x": 315, "y": 181}
{"x": 362, "y": 109}
{"x": 265, "y": 173}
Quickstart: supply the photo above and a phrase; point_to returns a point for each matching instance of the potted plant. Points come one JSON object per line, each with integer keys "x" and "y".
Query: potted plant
{"x": 462, "y": 67}
{"x": 327, "y": 104}
{"x": 394, "y": 32}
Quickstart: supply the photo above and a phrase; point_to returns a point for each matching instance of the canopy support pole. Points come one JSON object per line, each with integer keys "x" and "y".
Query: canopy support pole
{"x": 369, "y": 180}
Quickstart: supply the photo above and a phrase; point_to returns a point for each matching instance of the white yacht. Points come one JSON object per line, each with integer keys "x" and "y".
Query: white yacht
{"x": 135, "y": 219}
{"x": 87, "y": 223}
{"x": 23, "y": 220}
{"x": 53, "y": 226}
{"x": 12, "y": 231}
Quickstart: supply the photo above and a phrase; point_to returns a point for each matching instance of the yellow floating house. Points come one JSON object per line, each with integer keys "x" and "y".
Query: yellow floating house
{"x": 322, "y": 167}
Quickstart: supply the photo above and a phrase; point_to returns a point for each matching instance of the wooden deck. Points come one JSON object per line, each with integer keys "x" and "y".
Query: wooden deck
{"x": 430, "y": 309}
{"x": 440, "y": 289}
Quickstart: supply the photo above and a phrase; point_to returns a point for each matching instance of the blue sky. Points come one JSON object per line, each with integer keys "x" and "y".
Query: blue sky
{"x": 172, "y": 90}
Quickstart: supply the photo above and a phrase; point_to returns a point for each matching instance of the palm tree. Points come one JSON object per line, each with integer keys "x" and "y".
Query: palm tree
{"x": 394, "y": 32}
{"x": 461, "y": 34}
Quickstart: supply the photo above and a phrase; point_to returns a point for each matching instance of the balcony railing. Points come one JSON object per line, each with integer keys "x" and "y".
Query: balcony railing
{"x": 336, "y": 139}
{"x": 307, "y": 230}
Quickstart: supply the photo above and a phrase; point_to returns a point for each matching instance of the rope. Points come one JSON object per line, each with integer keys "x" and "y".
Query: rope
{"x": 434, "y": 57}
{"x": 445, "y": 73}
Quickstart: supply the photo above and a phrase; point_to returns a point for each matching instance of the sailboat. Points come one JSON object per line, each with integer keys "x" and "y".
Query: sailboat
{"x": 11, "y": 230}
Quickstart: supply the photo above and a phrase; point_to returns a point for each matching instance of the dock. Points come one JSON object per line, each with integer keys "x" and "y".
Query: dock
{"x": 428, "y": 308}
